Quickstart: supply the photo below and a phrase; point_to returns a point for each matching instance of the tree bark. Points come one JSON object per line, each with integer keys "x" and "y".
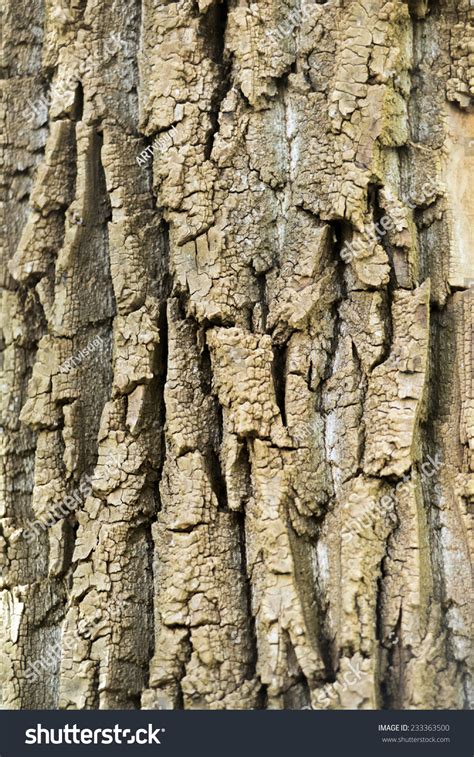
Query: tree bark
{"x": 238, "y": 445}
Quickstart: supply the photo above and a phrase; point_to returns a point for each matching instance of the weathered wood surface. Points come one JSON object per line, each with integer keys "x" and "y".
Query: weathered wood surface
{"x": 238, "y": 400}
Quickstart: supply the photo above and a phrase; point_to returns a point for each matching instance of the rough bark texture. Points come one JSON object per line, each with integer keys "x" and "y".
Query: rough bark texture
{"x": 255, "y": 395}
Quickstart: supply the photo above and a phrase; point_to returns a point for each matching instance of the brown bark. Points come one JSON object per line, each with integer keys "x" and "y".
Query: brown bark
{"x": 238, "y": 422}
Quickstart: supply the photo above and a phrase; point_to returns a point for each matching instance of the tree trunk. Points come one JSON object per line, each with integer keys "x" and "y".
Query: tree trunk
{"x": 238, "y": 448}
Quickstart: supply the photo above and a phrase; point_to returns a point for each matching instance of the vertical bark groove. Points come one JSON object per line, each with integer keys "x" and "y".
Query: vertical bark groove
{"x": 237, "y": 318}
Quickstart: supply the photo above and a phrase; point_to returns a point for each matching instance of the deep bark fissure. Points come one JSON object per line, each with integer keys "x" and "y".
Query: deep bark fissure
{"x": 267, "y": 365}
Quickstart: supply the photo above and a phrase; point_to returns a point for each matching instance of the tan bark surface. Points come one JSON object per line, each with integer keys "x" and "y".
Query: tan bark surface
{"x": 237, "y": 311}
